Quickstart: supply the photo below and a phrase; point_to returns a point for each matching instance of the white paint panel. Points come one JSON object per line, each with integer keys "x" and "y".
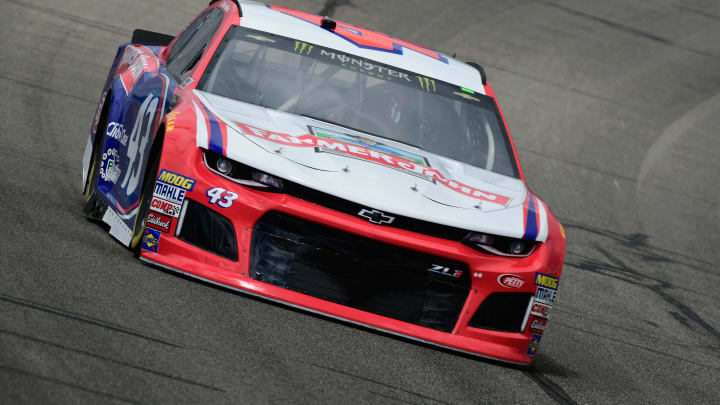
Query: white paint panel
{"x": 542, "y": 221}
{"x": 201, "y": 133}
{"x": 118, "y": 229}
{"x": 86, "y": 160}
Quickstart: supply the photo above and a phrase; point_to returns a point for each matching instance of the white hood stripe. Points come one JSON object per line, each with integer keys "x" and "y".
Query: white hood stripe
{"x": 201, "y": 128}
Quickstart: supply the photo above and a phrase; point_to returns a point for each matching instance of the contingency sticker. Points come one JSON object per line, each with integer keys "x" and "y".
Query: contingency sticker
{"x": 534, "y": 343}
{"x": 158, "y": 221}
{"x": 165, "y": 207}
{"x": 151, "y": 240}
{"x": 538, "y": 325}
{"x": 172, "y": 186}
{"x": 540, "y": 309}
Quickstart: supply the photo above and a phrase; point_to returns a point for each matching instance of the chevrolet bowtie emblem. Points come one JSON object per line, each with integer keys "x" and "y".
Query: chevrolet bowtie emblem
{"x": 376, "y": 217}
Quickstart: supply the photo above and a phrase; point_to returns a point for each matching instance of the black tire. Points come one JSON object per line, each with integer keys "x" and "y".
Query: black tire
{"x": 153, "y": 165}
{"x": 98, "y": 144}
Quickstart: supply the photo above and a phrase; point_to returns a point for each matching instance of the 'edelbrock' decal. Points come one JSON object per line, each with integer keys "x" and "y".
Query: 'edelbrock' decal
{"x": 392, "y": 157}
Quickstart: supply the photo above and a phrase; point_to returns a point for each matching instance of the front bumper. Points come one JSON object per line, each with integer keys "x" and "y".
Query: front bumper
{"x": 484, "y": 271}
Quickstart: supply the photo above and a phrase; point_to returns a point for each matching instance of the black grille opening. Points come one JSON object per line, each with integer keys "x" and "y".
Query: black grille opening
{"x": 351, "y": 208}
{"x": 503, "y": 311}
{"x": 358, "y": 272}
{"x": 208, "y": 230}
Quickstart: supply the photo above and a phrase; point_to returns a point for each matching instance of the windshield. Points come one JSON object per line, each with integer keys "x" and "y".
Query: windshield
{"x": 305, "y": 79}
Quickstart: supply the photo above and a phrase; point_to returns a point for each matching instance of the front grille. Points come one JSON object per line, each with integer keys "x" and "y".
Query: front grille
{"x": 503, "y": 311}
{"x": 358, "y": 272}
{"x": 351, "y": 208}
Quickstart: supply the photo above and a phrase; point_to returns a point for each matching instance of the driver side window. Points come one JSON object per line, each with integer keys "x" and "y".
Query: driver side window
{"x": 190, "y": 46}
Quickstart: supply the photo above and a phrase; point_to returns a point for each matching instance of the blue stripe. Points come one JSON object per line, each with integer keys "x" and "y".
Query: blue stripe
{"x": 531, "y": 227}
{"x": 216, "y": 140}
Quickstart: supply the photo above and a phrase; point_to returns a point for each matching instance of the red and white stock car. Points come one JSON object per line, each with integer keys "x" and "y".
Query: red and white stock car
{"x": 328, "y": 167}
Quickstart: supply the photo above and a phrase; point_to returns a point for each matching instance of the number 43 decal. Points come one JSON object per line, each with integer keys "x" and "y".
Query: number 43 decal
{"x": 221, "y": 197}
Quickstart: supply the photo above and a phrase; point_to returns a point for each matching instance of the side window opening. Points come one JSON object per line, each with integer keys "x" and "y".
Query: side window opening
{"x": 191, "y": 45}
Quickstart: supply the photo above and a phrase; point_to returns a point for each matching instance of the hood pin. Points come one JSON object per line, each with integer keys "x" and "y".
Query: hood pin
{"x": 346, "y": 169}
{"x": 414, "y": 188}
{"x": 278, "y": 150}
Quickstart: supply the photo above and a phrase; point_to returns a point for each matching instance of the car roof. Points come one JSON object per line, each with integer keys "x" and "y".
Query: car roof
{"x": 362, "y": 42}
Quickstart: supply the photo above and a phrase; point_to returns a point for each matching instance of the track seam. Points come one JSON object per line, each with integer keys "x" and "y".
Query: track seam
{"x": 85, "y": 319}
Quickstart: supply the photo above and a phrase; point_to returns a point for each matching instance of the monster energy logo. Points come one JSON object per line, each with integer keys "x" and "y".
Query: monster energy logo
{"x": 303, "y": 48}
{"x": 427, "y": 84}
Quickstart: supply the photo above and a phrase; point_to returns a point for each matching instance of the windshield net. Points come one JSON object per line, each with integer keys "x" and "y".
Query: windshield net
{"x": 305, "y": 79}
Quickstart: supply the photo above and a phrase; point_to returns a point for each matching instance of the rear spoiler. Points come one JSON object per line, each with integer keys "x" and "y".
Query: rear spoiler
{"x": 145, "y": 37}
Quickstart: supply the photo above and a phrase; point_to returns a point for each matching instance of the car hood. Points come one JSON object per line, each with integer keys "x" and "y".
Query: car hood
{"x": 379, "y": 173}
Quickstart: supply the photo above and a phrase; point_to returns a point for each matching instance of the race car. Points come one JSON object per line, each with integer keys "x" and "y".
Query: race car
{"x": 328, "y": 167}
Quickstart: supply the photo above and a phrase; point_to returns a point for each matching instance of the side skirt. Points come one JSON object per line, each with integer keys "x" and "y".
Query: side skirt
{"x": 98, "y": 209}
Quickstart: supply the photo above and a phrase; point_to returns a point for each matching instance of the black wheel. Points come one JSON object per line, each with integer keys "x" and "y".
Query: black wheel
{"x": 151, "y": 173}
{"x": 98, "y": 146}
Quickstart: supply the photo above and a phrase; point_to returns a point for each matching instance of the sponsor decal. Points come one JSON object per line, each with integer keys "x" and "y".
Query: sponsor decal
{"x": 465, "y": 96}
{"x": 260, "y": 38}
{"x": 364, "y": 66}
{"x": 136, "y": 60}
{"x": 543, "y": 280}
{"x": 175, "y": 179}
{"x": 303, "y": 48}
{"x": 545, "y": 295}
{"x": 510, "y": 281}
{"x": 96, "y": 120}
{"x": 363, "y": 142}
{"x": 391, "y": 157}
{"x": 165, "y": 207}
{"x": 221, "y": 197}
{"x": 188, "y": 81}
{"x": 538, "y": 325}
{"x": 534, "y": 343}
{"x": 158, "y": 221}
{"x": 170, "y": 121}
{"x": 436, "y": 268}
{"x": 150, "y": 240}
{"x": 376, "y": 217}
{"x": 427, "y": 84}
{"x": 225, "y": 7}
{"x": 170, "y": 193}
{"x": 540, "y": 309}
{"x": 116, "y": 131}
{"x": 109, "y": 170}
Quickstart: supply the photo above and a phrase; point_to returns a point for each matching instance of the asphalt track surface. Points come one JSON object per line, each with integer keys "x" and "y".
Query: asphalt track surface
{"x": 614, "y": 106}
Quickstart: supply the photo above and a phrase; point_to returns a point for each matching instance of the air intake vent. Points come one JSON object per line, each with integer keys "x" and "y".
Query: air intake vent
{"x": 208, "y": 230}
{"x": 503, "y": 311}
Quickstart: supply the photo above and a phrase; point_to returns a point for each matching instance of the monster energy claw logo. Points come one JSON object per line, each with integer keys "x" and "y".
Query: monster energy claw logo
{"x": 427, "y": 84}
{"x": 303, "y": 48}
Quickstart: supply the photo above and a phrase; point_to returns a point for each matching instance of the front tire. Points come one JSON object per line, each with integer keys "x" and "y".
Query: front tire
{"x": 153, "y": 165}
{"x": 97, "y": 150}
